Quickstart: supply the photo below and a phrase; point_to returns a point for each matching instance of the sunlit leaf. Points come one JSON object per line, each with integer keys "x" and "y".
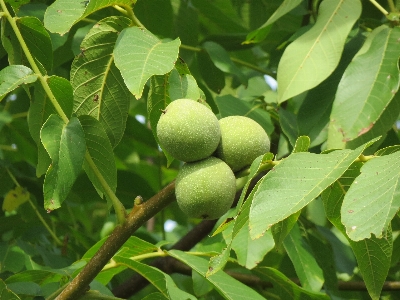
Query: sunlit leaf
{"x": 62, "y": 14}
{"x": 99, "y": 90}
{"x": 14, "y": 198}
{"x": 227, "y": 286}
{"x": 313, "y": 56}
{"x": 298, "y": 180}
{"x": 368, "y": 84}
{"x": 182, "y": 86}
{"x": 13, "y": 76}
{"x": 373, "y": 199}
{"x": 139, "y": 55}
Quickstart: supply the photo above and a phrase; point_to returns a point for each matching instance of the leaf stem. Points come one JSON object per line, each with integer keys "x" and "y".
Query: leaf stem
{"x": 118, "y": 206}
{"x": 392, "y": 6}
{"x": 234, "y": 59}
{"x": 128, "y": 11}
{"x": 53, "y": 235}
{"x": 378, "y": 6}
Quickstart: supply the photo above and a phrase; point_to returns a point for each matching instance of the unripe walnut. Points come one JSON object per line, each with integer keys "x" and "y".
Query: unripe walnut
{"x": 188, "y": 130}
{"x": 205, "y": 189}
{"x": 242, "y": 141}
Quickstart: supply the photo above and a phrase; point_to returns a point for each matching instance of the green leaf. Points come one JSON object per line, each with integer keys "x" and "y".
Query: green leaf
{"x": 228, "y": 287}
{"x": 13, "y": 76}
{"x": 39, "y": 277}
{"x": 182, "y": 86}
{"x": 14, "y": 198}
{"x": 261, "y": 33}
{"x": 285, "y": 288}
{"x": 62, "y": 14}
{"x": 222, "y": 61}
{"x": 373, "y": 199}
{"x": 368, "y": 84}
{"x": 373, "y": 255}
{"x": 155, "y": 296}
{"x": 307, "y": 174}
{"x": 288, "y": 122}
{"x": 212, "y": 76}
{"x": 160, "y": 280}
{"x": 231, "y": 106}
{"x": 157, "y": 100}
{"x": 99, "y": 89}
{"x": 37, "y": 40}
{"x": 149, "y": 56}
{"x": 5, "y": 293}
{"x": 281, "y": 229}
{"x": 41, "y": 108}
{"x": 99, "y": 148}
{"x": 65, "y": 143}
{"x": 302, "y": 257}
{"x": 306, "y": 63}
{"x": 11, "y": 258}
{"x": 302, "y": 144}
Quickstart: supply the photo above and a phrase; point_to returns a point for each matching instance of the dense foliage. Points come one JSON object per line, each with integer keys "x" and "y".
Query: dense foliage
{"x": 88, "y": 195}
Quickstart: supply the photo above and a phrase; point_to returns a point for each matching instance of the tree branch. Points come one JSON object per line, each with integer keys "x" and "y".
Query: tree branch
{"x": 138, "y": 216}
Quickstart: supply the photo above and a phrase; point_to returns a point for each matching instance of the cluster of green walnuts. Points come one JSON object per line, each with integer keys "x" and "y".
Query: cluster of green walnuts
{"x": 213, "y": 150}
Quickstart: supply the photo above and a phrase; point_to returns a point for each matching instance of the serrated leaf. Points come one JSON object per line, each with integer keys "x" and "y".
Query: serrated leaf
{"x": 5, "y": 293}
{"x": 261, "y": 33}
{"x": 159, "y": 279}
{"x": 373, "y": 199}
{"x": 99, "y": 89}
{"x": 99, "y": 148}
{"x": 65, "y": 144}
{"x": 373, "y": 255}
{"x": 62, "y": 14}
{"x": 387, "y": 150}
{"x": 306, "y": 63}
{"x": 14, "y": 198}
{"x": 37, "y": 40}
{"x": 157, "y": 100}
{"x": 285, "y": 288}
{"x": 232, "y": 106}
{"x": 298, "y": 180}
{"x": 13, "y": 76}
{"x": 300, "y": 253}
{"x": 222, "y": 61}
{"x": 139, "y": 55}
{"x": 368, "y": 84}
{"x": 41, "y": 108}
{"x": 227, "y": 286}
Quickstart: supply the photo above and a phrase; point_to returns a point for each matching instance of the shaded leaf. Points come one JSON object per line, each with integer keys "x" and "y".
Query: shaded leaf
{"x": 159, "y": 279}
{"x": 373, "y": 255}
{"x": 212, "y": 76}
{"x": 302, "y": 257}
{"x": 41, "y": 108}
{"x": 306, "y": 63}
{"x": 368, "y": 84}
{"x": 285, "y": 288}
{"x": 281, "y": 229}
{"x": 37, "y": 40}
{"x": 62, "y": 14}
{"x": 288, "y": 122}
{"x": 13, "y": 76}
{"x": 11, "y": 258}
{"x": 100, "y": 150}
{"x": 227, "y": 286}
{"x": 373, "y": 199}
{"x": 261, "y": 33}
{"x": 65, "y": 143}
{"x": 222, "y": 61}
{"x": 5, "y": 293}
{"x": 231, "y": 106}
{"x": 157, "y": 100}
{"x": 147, "y": 57}
{"x": 99, "y": 89}
{"x": 298, "y": 179}
{"x": 182, "y": 86}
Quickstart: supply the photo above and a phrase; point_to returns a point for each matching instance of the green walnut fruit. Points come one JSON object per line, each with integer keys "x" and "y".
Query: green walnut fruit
{"x": 242, "y": 141}
{"x": 188, "y": 130}
{"x": 205, "y": 189}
